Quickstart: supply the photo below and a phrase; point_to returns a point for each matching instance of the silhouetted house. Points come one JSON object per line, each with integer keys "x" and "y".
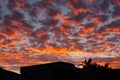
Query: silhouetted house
{"x": 51, "y": 71}
{"x": 8, "y": 75}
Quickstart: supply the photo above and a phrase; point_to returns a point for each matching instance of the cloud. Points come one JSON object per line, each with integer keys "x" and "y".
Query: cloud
{"x": 40, "y": 31}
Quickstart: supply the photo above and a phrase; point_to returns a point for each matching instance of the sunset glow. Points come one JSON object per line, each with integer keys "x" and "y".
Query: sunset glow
{"x": 42, "y": 31}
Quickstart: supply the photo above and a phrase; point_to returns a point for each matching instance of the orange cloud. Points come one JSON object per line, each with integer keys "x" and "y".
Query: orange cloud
{"x": 90, "y": 0}
{"x": 116, "y": 2}
{"x": 77, "y": 10}
{"x": 86, "y": 30}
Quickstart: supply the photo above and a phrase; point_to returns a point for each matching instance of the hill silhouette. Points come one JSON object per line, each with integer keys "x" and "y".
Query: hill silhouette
{"x": 8, "y": 75}
{"x": 63, "y": 71}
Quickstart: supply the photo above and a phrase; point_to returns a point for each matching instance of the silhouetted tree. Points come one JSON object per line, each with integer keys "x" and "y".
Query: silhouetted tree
{"x": 106, "y": 65}
{"x": 88, "y": 64}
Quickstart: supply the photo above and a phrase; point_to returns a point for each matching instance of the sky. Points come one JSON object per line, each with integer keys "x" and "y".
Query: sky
{"x": 43, "y": 31}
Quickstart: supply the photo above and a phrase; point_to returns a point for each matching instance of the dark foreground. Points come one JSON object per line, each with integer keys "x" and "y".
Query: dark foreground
{"x": 61, "y": 71}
